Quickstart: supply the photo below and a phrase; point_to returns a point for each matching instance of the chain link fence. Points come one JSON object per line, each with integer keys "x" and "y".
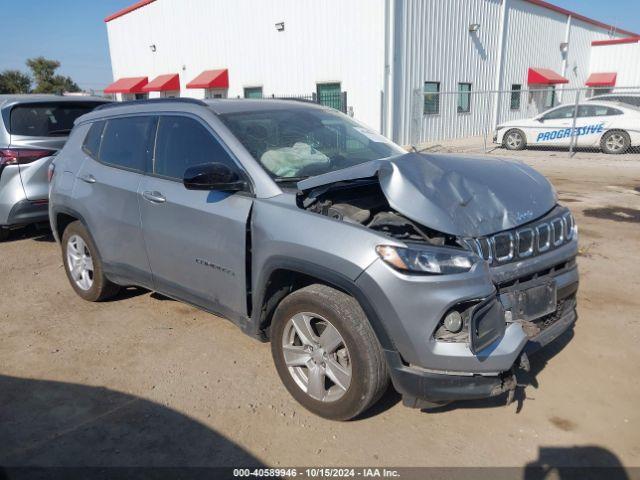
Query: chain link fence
{"x": 565, "y": 121}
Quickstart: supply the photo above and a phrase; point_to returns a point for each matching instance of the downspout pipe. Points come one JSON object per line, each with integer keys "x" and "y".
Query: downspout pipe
{"x": 385, "y": 107}
{"x": 565, "y": 58}
{"x": 393, "y": 102}
{"x": 502, "y": 46}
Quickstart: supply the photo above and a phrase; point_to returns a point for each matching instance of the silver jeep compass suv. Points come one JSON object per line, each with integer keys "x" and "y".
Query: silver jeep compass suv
{"x": 32, "y": 129}
{"x": 359, "y": 262}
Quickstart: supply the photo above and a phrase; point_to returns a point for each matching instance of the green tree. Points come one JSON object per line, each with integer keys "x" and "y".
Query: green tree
{"x": 14, "y": 81}
{"x": 43, "y": 71}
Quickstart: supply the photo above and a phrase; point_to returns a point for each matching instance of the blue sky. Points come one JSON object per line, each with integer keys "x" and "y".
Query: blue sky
{"x": 70, "y": 31}
{"x": 73, "y": 32}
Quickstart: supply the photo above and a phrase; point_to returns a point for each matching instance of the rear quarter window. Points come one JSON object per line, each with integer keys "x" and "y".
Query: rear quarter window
{"x": 91, "y": 144}
{"x": 47, "y": 119}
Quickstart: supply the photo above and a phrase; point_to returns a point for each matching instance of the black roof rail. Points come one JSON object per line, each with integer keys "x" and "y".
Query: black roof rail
{"x": 193, "y": 101}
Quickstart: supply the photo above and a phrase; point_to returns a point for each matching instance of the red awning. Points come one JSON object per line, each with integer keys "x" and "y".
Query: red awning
{"x": 544, "y": 76}
{"x": 127, "y": 85}
{"x": 602, "y": 79}
{"x": 211, "y": 79}
{"x": 163, "y": 83}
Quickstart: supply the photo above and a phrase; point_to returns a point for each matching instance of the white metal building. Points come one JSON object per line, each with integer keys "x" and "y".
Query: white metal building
{"x": 615, "y": 63}
{"x": 394, "y": 58}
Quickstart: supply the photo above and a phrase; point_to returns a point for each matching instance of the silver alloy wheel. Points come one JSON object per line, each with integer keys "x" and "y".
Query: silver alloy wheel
{"x": 316, "y": 356}
{"x": 615, "y": 142}
{"x": 79, "y": 262}
{"x": 514, "y": 140}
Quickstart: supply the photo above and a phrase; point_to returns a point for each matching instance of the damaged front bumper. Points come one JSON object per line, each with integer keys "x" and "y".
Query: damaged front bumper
{"x": 421, "y": 388}
{"x": 427, "y": 371}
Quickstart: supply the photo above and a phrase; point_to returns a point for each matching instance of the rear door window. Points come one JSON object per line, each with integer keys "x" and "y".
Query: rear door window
{"x": 128, "y": 142}
{"x": 47, "y": 119}
{"x": 597, "y": 111}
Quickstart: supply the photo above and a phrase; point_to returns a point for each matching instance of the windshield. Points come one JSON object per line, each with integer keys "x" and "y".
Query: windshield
{"x": 47, "y": 119}
{"x": 300, "y": 143}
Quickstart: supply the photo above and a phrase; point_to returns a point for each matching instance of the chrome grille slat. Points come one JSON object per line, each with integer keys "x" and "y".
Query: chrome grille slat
{"x": 557, "y": 227}
{"x": 498, "y": 246}
{"x": 543, "y": 245}
{"x": 527, "y": 241}
{"x": 521, "y": 236}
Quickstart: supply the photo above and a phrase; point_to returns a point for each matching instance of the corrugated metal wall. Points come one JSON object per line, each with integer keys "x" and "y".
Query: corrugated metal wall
{"x": 623, "y": 58}
{"x": 437, "y": 46}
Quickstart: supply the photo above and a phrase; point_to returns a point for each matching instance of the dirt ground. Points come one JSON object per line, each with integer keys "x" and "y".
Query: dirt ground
{"x": 143, "y": 380}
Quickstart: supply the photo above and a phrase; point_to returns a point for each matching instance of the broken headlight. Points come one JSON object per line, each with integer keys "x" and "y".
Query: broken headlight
{"x": 427, "y": 260}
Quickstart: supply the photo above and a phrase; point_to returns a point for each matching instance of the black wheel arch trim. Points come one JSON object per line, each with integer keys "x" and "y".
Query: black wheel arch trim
{"x": 53, "y": 219}
{"x": 325, "y": 275}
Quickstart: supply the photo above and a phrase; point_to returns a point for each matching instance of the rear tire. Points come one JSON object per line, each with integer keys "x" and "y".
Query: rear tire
{"x": 83, "y": 265}
{"x": 4, "y": 234}
{"x": 514, "y": 139}
{"x": 615, "y": 142}
{"x": 338, "y": 343}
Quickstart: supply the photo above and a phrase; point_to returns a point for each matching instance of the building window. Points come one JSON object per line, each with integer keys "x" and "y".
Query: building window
{"x": 431, "y": 98}
{"x": 464, "y": 97}
{"x": 515, "y": 96}
{"x": 128, "y": 97}
{"x": 253, "y": 92}
{"x": 330, "y": 95}
{"x": 215, "y": 93}
{"x": 600, "y": 91}
{"x": 550, "y": 97}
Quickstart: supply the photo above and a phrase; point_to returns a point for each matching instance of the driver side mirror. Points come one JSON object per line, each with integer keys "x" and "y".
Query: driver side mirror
{"x": 540, "y": 118}
{"x": 213, "y": 176}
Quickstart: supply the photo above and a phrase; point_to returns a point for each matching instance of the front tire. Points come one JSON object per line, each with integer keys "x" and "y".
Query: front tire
{"x": 615, "y": 142}
{"x": 514, "y": 139}
{"x": 326, "y": 353}
{"x": 83, "y": 265}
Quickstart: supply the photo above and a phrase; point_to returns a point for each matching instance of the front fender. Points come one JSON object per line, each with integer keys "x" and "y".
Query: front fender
{"x": 285, "y": 237}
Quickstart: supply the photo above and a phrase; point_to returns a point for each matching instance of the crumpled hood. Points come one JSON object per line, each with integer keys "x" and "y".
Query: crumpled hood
{"x": 455, "y": 194}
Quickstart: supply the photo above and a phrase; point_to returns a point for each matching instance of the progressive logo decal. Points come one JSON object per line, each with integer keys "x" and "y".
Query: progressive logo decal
{"x": 566, "y": 132}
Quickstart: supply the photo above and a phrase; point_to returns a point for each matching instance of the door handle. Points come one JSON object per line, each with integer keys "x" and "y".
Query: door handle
{"x": 154, "y": 197}
{"x": 88, "y": 178}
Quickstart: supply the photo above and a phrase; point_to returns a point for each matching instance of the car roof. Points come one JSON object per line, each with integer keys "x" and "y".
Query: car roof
{"x": 603, "y": 103}
{"x": 13, "y": 99}
{"x": 193, "y": 105}
{"x": 608, "y": 95}
{"x": 612, "y": 103}
{"x": 235, "y": 105}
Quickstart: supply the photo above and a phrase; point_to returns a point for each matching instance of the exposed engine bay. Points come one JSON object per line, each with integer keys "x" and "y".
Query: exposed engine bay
{"x": 363, "y": 202}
